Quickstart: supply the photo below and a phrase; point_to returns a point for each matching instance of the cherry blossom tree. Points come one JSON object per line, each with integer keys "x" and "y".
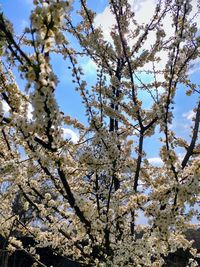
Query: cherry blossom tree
{"x": 87, "y": 197}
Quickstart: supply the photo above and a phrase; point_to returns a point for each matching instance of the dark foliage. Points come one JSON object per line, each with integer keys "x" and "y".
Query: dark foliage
{"x": 49, "y": 258}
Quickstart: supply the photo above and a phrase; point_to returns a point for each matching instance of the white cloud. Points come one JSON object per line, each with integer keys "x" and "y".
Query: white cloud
{"x": 195, "y": 66}
{"x": 105, "y": 20}
{"x": 180, "y": 156}
{"x": 155, "y": 161}
{"x": 189, "y": 115}
{"x": 89, "y": 67}
{"x": 144, "y": 10}
{"x": 4, "y": 108}
{"x": 194, "y": 69}
{"x": 69, "y": 134}
{"x": 29, "y": 112}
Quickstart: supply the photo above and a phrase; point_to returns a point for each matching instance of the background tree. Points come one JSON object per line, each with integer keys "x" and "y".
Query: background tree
{"x": 97, "y": 187}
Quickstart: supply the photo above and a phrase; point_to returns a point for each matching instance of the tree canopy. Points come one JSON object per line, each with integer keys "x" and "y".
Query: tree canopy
{"x": 85, "y": 198}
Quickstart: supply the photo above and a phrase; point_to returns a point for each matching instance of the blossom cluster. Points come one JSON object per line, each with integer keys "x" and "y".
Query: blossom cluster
{"x": 85, "y": 199}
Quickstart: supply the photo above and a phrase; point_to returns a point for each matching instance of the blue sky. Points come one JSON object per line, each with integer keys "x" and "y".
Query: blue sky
{"x": 69, "y": 100}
